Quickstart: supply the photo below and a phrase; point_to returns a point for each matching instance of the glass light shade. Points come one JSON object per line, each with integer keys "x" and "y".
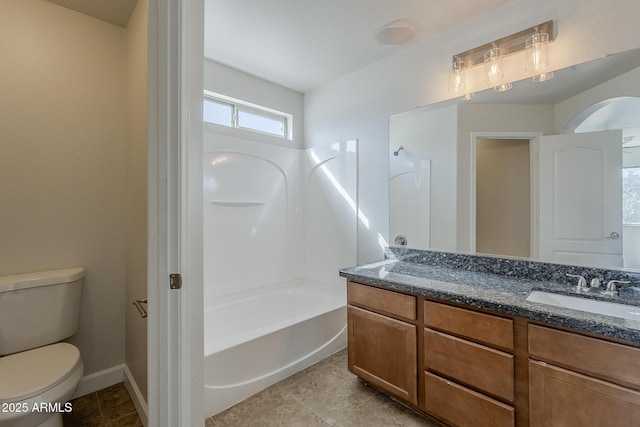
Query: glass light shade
{"x": 503, "y": 87}
{"x": 458, "y": 78}
{"x": 536, "y": 47}
{"x": 493, "y": 64}
{"x": 542, "y": 77}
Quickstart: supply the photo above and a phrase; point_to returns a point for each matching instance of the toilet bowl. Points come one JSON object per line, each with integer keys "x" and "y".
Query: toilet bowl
{"x": 40, "y": 382}
{"x": 38, "y": 373}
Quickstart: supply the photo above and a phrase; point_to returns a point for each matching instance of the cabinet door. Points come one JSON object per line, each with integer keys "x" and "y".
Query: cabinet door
{"x": 559, "y": 397}
{"x": 383, "y": 352}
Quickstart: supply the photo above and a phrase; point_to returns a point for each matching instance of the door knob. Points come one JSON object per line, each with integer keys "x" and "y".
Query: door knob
{"x": 613, "y": 236}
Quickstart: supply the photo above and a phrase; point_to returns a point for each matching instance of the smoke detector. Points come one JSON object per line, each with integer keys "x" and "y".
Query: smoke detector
{"x": 395, "y": 33}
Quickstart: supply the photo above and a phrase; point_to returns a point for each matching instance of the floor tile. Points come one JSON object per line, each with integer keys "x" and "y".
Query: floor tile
{"x": 109, "y": 407}
{"x": 330, "y": 393}
{"x": 325, "y": 394}
{"x": 383, "y": 411}
{"x": 86, "y": 412}
{"x": 131, "y": 420}
{"x": 115, "y": 402}
{"x": 248, "y": 410}
{"x": 339, "y": 360}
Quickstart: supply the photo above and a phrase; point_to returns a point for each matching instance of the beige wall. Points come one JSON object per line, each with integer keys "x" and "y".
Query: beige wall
{"x": 62, "y": 160}
{"x": 503, "y": 197}
{"x": 136, "y": 193}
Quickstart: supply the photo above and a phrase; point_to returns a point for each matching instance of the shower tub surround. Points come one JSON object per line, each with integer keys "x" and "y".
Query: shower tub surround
{"x": 501, "y": 285}
{"x": 278, "y": 223}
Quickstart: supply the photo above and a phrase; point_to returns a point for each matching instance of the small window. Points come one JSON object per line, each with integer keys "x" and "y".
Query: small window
{"x": 631, "y": 195}
{"x": 218, "y": 112}
{"x": 226, "y": 111}
{"x": 249, "y": 118}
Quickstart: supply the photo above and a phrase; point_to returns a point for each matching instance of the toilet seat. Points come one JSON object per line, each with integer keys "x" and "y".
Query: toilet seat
{"x": 32, "y": 372}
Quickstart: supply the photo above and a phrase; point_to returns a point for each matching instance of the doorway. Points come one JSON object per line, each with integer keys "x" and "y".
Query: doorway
{"x": 504, "y": 193}
{"x": 503, "y": 197}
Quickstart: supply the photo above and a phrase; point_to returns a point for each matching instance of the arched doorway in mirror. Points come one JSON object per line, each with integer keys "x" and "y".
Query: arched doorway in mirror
{"x": 622, "y": 114}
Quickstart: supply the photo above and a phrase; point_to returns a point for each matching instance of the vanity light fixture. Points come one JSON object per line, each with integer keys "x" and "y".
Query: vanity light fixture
{"x": 533, "y": 41}
{"x": 493, "y": 64}
{"x": 542, "y": 77}
{"x": 503, "y": 87}
{"x": 536, "y": 47}
{"x": 493, "y": 67}
{"x": 457, "y": 79}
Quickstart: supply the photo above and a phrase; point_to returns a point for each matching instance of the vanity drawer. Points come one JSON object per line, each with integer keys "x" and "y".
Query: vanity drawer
{"x": 387, "y": 302}
{"x": 492, "y": 330}
{"x": 460, "y": 406}
{"x": 616, "y": 362}
{"x": 476, "y": 365}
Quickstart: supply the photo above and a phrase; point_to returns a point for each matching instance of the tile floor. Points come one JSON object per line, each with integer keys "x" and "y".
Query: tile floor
{"x": 109, "y": 407}
{"x": 326, "y": 394}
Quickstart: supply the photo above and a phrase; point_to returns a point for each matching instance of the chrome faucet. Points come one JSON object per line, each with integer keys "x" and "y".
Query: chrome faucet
{"x": 582, "y": 283}
{"x": 595, "y": 287}
{"x": 612, "y": 289}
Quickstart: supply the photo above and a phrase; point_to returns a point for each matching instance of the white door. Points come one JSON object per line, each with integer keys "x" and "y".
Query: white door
{"x": 175, "y": 328}
{"x": 581, "y": 198}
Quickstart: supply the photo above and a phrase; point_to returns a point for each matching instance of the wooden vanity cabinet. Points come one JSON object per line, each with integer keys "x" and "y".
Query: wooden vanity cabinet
{"x": 471, "y": 368}
{"x": 382, "y": 338}
{"x": 468, "y": 368}
{"x": 581, "y": 381}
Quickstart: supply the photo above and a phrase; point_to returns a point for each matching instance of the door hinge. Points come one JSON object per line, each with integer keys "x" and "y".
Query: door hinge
{"x": 175, "y": 281}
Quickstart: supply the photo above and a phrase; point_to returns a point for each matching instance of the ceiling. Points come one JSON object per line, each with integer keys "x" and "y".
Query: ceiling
{"x": 301, "y": 44}
{"x": 116, "y": 12}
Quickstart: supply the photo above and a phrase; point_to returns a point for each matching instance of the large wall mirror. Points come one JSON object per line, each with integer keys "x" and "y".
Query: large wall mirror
{"x": 548, "y": 171}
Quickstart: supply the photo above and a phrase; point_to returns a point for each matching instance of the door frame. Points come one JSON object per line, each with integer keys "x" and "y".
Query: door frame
{"x": 175, "y": 330}
{"x": 533, "y": 190}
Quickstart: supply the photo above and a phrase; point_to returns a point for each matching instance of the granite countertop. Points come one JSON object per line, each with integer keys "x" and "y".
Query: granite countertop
{"x": 500, "y": 293}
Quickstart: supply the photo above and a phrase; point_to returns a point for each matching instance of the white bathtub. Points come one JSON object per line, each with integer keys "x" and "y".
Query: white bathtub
{"x": 257, "y": 338}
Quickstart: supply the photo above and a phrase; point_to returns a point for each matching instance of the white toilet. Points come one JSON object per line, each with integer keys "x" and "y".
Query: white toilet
{"x": 38, "y": 374}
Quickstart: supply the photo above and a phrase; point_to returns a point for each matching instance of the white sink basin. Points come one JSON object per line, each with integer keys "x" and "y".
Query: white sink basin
{"x": 623, "y": 311}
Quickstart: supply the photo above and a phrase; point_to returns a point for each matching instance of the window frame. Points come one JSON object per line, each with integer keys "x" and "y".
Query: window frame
{"x": 238, "y": 105}
{"x": 623, "y": 210}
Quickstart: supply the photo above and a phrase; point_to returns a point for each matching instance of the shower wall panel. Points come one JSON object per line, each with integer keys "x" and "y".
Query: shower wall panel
{"x": 274, "y": 214}
{"x": 251, "y": 216}
{"x": 331, "y": 210}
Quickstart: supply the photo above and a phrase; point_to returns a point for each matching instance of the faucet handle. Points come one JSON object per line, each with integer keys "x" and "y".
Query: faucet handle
{"x": 582, "y": 282}
{"x": 595, "y": 282}
{"x": 611, "y": 286}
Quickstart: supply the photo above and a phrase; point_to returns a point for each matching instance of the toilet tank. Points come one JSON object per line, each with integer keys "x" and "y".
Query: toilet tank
{"x": 40, "y": 308}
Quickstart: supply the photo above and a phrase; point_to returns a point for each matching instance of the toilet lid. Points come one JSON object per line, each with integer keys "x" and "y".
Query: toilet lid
{"x": 28, "y": 373}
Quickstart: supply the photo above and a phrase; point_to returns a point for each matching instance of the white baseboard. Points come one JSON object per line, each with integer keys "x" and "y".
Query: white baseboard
{"x": 99, "y": 380}
{"x": 108, "y": 377}
{"x": 136, "y": 396}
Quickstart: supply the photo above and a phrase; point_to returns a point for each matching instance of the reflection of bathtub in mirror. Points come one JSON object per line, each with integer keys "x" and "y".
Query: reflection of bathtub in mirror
{"x": 444, "y": 132}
